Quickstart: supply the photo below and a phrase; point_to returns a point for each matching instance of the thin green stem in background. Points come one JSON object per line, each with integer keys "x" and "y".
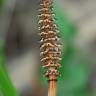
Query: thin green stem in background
{"x": 6, "y": 86}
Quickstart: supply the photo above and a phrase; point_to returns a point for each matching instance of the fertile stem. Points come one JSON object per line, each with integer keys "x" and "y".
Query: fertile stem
{"x": 50, "y": 49}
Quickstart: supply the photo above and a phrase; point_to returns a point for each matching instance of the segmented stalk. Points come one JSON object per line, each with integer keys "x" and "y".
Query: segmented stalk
{"x": 50, "y": 47}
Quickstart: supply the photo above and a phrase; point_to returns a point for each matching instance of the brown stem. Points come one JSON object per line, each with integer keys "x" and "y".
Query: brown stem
{"x": 52, "y": 88}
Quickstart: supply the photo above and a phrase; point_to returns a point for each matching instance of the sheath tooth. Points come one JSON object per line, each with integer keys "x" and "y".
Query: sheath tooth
{"x": 43, "y": 33}
{"x": 57, "y": 45}
{"x": 43, "y": 9}
{"x": 44, "y": 52}
{"x": 50, "y": 39}
{"x": 46, "y": 45}
{"x": 50, "y": 58}
{"x": 56, "y": 58}
{"x": 47, "y": 2}
{"x": 55, "y": 25}
{"x": 52, "y": 32}
{"x": 44, "y": 4}
{"x": 46, "y": 66}
{"x": 39, "y": 28}
{"x": 48, "y": 26}
{"x": 40, "y": 21}
{"x": 47, "y": 34}
{"x": 46, "y": 20}
{"x": 51, "y": 65}
{"x": 57, "y": 31}
{"x": 53, "y": 15}
{"x": 44, "y": 59}
{"x": 44, "y": 15}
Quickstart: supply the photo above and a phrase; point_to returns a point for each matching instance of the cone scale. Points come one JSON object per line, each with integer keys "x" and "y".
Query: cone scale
{"x": 50, "y": 47}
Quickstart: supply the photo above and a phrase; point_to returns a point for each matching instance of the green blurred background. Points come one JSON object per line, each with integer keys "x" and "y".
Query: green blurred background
{"x": 20, "y": 67}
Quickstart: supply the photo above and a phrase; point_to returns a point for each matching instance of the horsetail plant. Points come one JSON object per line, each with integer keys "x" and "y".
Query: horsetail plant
{"x": 50, "y": 46}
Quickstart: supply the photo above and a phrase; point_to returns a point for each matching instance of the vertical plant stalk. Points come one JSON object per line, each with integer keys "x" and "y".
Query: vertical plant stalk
{"x": 52, "y": 88}
{"x": 50, "y": 47}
